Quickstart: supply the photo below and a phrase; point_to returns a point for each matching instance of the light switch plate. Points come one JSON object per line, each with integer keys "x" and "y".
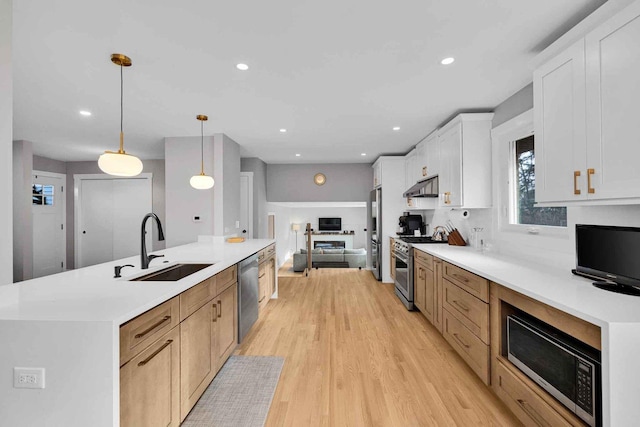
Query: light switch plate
{"x": 28, "y": 377}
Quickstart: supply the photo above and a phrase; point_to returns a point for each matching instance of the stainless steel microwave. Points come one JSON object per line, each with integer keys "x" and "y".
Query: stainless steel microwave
{"x": 566, "y": 368}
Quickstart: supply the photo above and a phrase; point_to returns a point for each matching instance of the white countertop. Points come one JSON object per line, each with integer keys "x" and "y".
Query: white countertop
{"x": 558, "y": 288}
{"x": 92, "y": 294}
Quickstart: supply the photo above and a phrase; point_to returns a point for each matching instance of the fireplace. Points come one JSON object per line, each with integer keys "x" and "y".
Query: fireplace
{"x": 329, "y": 244}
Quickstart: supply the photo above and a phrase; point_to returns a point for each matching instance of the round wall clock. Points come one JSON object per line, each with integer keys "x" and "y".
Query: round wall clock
{"x": 319, "y": 179}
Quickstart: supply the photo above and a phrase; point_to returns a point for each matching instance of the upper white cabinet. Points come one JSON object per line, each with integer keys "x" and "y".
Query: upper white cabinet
{"x": 464, "y": 165}
{"x": 613, "y": 115}
{"x": 427, "y": 156}
{"x": 377, "y": 174}
{"x": 559, "y": 117}
{"x": 586, "y": 115}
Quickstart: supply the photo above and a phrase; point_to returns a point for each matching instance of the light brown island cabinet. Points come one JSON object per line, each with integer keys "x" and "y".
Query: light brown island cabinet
{"x": 170, "y": 354}
{"x": 266, "y": 275}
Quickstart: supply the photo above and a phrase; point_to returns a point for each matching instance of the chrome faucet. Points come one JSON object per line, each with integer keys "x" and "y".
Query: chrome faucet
{"x": 144, "y": 258}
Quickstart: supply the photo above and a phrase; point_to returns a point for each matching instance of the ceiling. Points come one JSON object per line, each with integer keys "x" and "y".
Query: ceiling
{"x": 337, "y": 75}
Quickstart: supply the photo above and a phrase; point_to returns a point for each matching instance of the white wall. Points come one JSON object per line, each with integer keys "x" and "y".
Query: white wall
{"x": 352, "y": 219}
{"x": 285, "y": 238}
{"x": 183, "y": 202}
{"x": 226, "y": 191}
{"x": 22, "y": 211}
{"x": 6, "y": 141}
{"x": 259, "y": 169}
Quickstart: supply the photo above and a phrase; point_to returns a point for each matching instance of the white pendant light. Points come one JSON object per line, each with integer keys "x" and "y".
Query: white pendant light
{"x": 202, "y": 181}
{"x": 119, "y": 163}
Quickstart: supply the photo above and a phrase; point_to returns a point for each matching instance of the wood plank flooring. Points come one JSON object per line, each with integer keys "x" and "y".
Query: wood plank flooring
{"x": 356, "y": 357}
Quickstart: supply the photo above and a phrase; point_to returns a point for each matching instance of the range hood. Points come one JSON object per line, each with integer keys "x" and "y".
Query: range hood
{"x": 427, "y": 187}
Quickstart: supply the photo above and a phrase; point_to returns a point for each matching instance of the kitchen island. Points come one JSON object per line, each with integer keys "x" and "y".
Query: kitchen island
{"x": 617, "y": 317}
{"x": 69, "y": 324}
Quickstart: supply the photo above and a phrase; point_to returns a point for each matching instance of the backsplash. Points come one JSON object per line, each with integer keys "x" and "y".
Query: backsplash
{"x": 557, "y": 250}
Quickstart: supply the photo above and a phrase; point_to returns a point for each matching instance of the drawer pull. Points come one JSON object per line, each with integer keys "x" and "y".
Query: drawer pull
{"x": 462, "y": 306}
{"x": 152, "y": 327}
{"x": 532, "y": 413}
{"x": 219, "y": 308}
{"x": 261, "y": 299}
{"x": 457, "y": 337}
{"x": 215, "y": 313}
{"x": 155, "y": 353}
{"x": 461, "y": 278}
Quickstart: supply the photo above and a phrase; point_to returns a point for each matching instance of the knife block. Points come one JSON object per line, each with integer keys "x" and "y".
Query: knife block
{"x": 456, "y": 239}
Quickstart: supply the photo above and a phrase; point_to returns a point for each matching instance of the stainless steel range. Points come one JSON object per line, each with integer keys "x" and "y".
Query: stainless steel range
{"x": 403, "y": 251}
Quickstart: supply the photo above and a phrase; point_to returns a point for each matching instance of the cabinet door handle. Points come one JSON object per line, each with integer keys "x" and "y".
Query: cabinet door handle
{"x": 457, "y": 337}
{"x": 447, "y": 199}
{"x": 219, "y": 308}
{"x": 461, "y": 278}
{"x": 424, "y": 171}
{"x": 532, "y": 413}
{"x": 215, "y": 313}
{"x": 152, "y": 327}
{"x": 590, "y": 189}
{"x": 155, "y": 353}
{"x": 576, "y": 190}
{"x": 462, "y": 306}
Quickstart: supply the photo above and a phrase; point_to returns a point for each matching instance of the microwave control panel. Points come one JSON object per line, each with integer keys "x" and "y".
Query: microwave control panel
{"x": 585, "y": 386}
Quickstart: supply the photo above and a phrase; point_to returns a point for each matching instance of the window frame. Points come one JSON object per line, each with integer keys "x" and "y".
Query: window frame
{"x": 504, "y": 137}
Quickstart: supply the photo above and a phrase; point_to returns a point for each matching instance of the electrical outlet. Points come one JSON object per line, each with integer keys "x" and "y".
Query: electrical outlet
{"x": 197, "y": 218}
{"x": 237, "y": 224}
{"x": 28, "y": 377}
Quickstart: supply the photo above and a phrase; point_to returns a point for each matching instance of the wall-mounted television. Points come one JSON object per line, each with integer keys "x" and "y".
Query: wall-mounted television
{"x": 329, "y": 224}
{"x": 609, "y": 253}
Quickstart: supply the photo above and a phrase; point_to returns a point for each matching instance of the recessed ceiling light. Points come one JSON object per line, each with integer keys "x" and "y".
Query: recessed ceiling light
{"x": 447, "y": 61}
{"x": 363, "y": 154}
{"x": 297, "y": 154}
{"x": 396, "y": 128}
{"x": 242, "y": 67}
{"x": 85, "y": 113}
{"x": 283, "y": 130}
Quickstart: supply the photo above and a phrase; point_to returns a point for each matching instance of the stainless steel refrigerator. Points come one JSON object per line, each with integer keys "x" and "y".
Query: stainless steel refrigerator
{"x": 375, "y": 225}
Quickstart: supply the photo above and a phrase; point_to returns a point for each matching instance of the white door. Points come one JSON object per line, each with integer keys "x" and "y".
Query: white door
{"x": 246, "y": 204}
{"x": 49, "y": 241}
{"x": 109, "y": 215}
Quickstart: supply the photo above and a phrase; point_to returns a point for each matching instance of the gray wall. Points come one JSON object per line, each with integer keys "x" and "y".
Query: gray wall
{"x": 227, "y": 190}
{"x": 513, "y": 106}
{"x": 259, "y": 169}
{"x": 6, "y": 144}
{"x": 156, "y": 167}
{"x": 46, "y": 164}
{"x": 346, "y": 182}
{"x": 23, "y": 223}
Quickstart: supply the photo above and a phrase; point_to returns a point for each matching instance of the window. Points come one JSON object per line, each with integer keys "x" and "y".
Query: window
{"x": 523, "y": 189}
{"x": 42, "y": 194}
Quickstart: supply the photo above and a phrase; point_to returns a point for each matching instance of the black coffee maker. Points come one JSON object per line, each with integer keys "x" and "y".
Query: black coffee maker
{"x": 409, "y": 223}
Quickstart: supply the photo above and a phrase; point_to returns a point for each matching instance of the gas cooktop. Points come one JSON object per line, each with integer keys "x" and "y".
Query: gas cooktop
{"x": 422, "y": 239}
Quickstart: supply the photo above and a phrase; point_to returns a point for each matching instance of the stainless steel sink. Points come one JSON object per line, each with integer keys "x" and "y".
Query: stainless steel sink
{"x": 171, "y": 274}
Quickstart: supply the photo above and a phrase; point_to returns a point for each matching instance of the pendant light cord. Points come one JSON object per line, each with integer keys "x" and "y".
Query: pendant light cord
{"x": 121, "y": 110}
{"x": 201, "y": 147}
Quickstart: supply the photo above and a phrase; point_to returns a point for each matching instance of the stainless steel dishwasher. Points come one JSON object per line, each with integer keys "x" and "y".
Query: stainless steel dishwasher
{"x": 247, "y": 295}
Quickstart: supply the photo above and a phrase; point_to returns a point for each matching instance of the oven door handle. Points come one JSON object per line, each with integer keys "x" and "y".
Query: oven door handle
{"x": 402, "y": 258}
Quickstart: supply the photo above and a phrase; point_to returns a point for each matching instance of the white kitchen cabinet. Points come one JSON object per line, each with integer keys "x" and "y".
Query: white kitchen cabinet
{"x": 559, "y": 116}
{"x": 377, "y": 174}
{"x": 427, "y": 156}
{"x": 464, "y": 146}
{"x": 410, "y": 162}
{"x": 585, "y": 114}
{"x": 613, "y": 91}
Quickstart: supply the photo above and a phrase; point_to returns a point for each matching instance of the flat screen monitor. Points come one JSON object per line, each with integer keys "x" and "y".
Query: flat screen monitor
{"x": 329, "y": 224}
{"x": 609, "y": 252}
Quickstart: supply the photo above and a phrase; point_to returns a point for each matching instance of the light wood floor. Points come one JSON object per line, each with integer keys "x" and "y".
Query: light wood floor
{"x": 356, "y": 357}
